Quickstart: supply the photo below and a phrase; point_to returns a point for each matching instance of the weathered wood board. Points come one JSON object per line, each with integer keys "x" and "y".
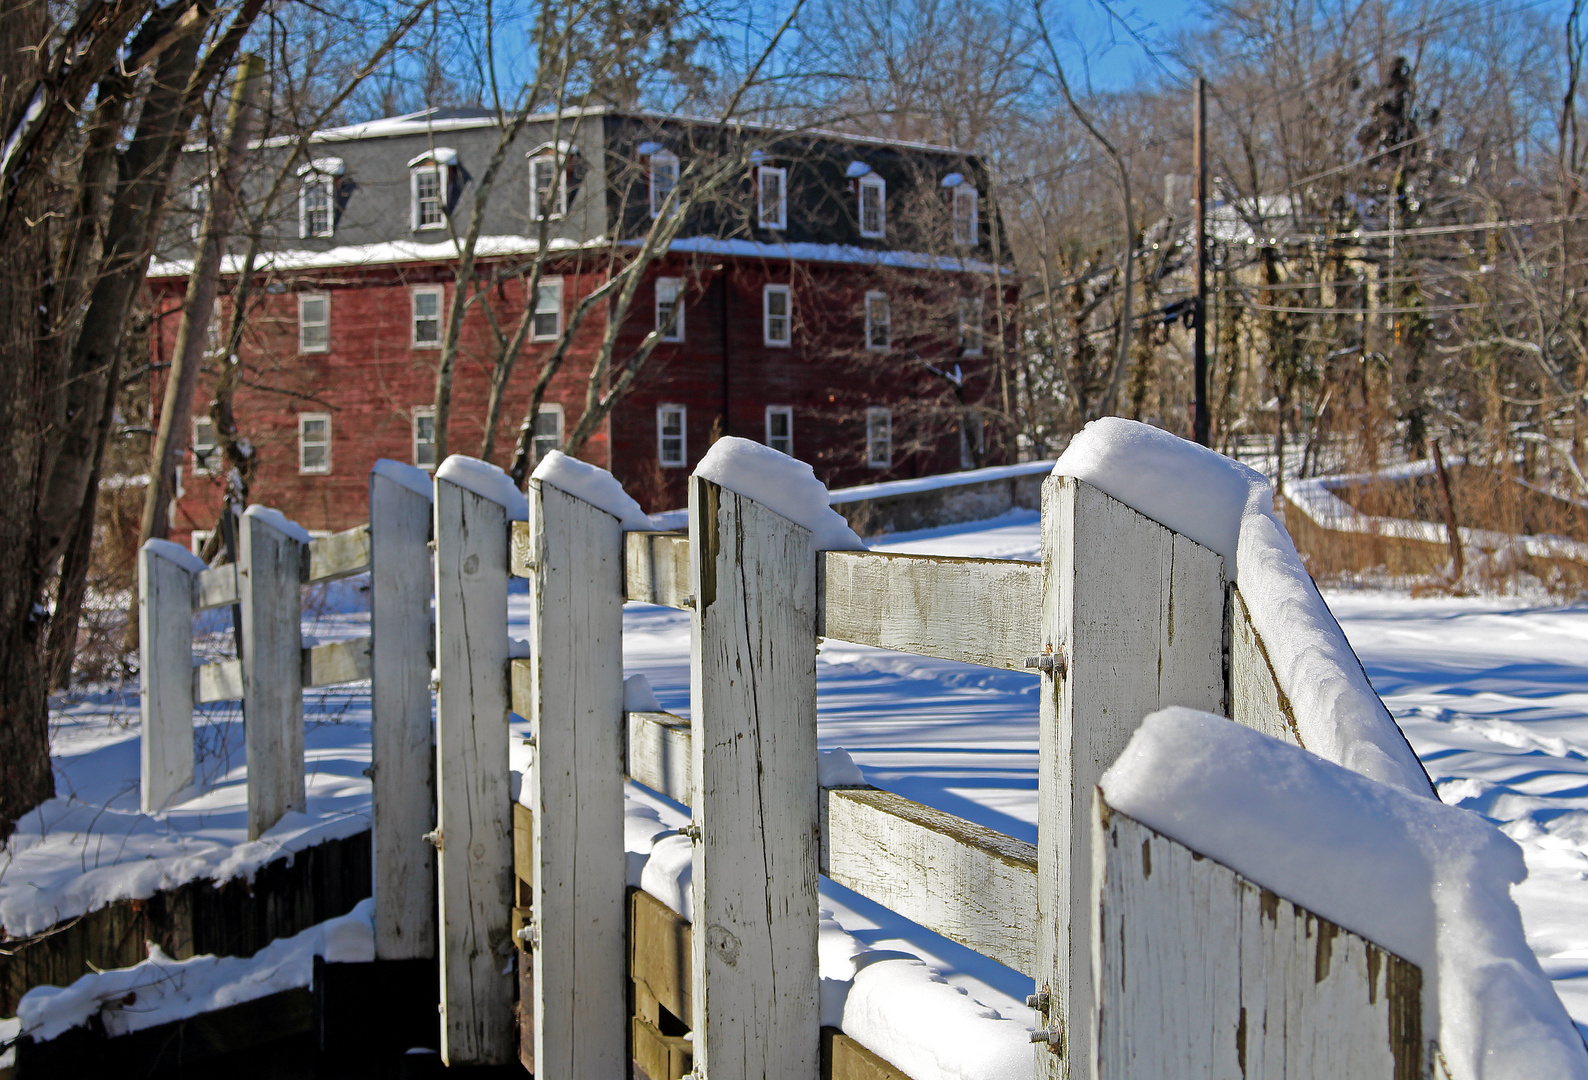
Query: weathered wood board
{"x": 656, "y": 568}
{"x": 215, "y": 587}
{"x": 576, "y": 786}
{"x": 977, "y": 611}
{"x": 967, "y": 882}
{"x": 753, "y": 707}
{"x": 659, "y": 954}
{"x": 1255, "y": 698}
{"x": 659, "y": 755}
{"x": 402, "y": 741}
{"x": 1137, "y": 612}
{"x": 341, "y": 554}
{"x": 165, "y": 660}
{"x": 269, "y": 575}
{"x": 1200, "y": 972}
{"x": 473, "y": 806}
{"x": 329, "y": 664}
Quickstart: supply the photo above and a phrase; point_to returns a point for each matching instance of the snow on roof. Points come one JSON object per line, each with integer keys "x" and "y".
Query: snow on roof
{"x": 329, "y": 166}
{"x": 857, "y": 168}
{"x": 356, "y": 255}
{"x": 441, "y": 155}
{"x": 834, "y": 253}
{"x": 1429, "y": 882}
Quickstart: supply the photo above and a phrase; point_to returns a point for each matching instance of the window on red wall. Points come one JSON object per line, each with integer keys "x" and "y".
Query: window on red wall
{"x": 671, "y": 436}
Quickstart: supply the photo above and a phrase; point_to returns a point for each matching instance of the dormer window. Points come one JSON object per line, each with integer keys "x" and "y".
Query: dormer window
{"x": 548, "y": 193}
{"x": 664, "y": 178}
{"x": 964, "y": 199}
{"x": 317, "y": 197}
{"x": 873, "y": 207}
{"x": 771, "y": 197}
{"x": 430, "y": 176}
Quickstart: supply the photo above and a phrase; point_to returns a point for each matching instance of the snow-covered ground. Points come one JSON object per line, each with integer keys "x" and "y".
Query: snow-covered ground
{"x": 1493, "y": 695}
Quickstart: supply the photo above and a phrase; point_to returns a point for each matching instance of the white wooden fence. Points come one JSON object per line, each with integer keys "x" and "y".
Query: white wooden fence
{"x": 1151, "y": 961}
{"x": 276, "y": 667}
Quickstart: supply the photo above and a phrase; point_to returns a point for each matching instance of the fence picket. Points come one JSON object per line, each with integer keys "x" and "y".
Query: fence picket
{"x": 270, "y": 569}
{"x": 402, "y": 754}
{"x": 576, "y": 786}
{"x": 165, "y": 660}
{"x": 1137, "y": 612}
{"x": 474, "y": 819}
{"x": 753, "y": 702}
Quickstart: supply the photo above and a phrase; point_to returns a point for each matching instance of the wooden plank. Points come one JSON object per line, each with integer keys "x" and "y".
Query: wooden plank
{"x": 402, "y": 746}
{"x": 1137, "y": 611}
{"x": 1255, "y": 698}
{"x": 220, "y": 681}
{"x": 269, "y": 566}
{"x": 656, "y": 568}
{"x": 521, "y": 686}
{"x": 1204, "y": 973}
{"x": 659, "y": 754}
{"x": 845, "y": 1059}
{"x": 337, "y": 662}
{"x": 521, "y": 551}
{"x": 575, "y": 790}
{"x": 523, "y": 843}
{"x": 165, "y": 661}
{"x": 977, "y": 611}
{"x": 473, "y": 805}
{"x": 340, "y": 554}
{"x": 967, "y": 882}
{"x": 660, "y": 1057}
{"x": 753, "y": 690}
{"x": 660, "y": 953}
{"x": 215, "y": 587}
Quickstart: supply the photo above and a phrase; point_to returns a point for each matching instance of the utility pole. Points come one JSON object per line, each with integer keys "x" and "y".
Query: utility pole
{"x": 1199, "y": 334}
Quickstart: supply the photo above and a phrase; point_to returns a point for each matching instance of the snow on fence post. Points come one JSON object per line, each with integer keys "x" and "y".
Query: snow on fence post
{"x": 576, "y": 786}
{"x": 1133, "y": 614}
{"x": 474, "y": 810}
{"x": 1204, "y": 973}
{"x": 402, "y": 753}
{"x": 270, "y": 575}
{"x": 165, "y": 661}
{"x": 753, "y": 706}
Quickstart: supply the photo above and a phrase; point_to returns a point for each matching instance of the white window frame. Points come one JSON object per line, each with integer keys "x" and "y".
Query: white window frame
{"x": 199, "y": 199}
{"x": 423, "y": 412}
{"x": 972, "y": 318}
{"x": 558, "y": 189}
{"x": 677, "y": 285}
{"x": 326, "y": 184}
{"x": 880, "y": 186}
{"x": 325, "y": 323}
{"x": 439, "y": 292}
{"x": 550, "y": 283}
{"x": 416, "y": 207}
{"x": 660, "y": 159}
{"x": 967, "y": 227}
{"x": 787, "y": 413}
{"x": 682, "y": 460}
{"x": 204, "y": 464}
{"x": 762, "y": 172}
{"x": 883, "y": 415}
{"x": 198, "y": 538}
{"x": 303, "y": 420}
{"x": 886, "y": 323}
{"x": 767, "y": 292}
{"x": 547, "y": 409}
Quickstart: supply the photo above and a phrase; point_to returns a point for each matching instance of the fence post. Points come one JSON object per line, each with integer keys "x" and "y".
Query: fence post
{"x": 165, "y": 664}
{"x": 752, "y": 682}
{"x": 1137, "y": 613}
{"x": 270, "y": 584}
{"x": 474, "y": 812}
{"x": 402, "y": 751}
{"x": 576, "y": 787}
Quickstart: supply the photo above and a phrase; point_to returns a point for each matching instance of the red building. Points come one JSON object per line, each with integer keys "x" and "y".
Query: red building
{"x": 834, "y": 298}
